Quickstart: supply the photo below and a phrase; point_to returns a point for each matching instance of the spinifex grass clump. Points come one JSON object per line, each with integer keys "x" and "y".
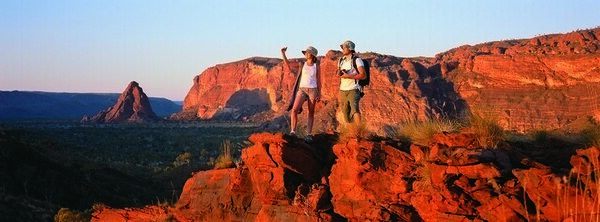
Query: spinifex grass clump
{"x": 579, "y": 193}
{"x": 68, "y": 215}
{"x": 485, "y": 126}
{"x": 225, "y": 159}
{"x": 421, "y": 132}
{"x": 591, "y": 136}
{"x": 352, "y": 130}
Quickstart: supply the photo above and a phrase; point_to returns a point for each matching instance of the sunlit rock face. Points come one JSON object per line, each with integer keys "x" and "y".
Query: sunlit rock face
{"x": 132, "y": 106}
{"x": 543, "y": 82}
{"x": 454, "y": 178}
{"x": 547, "y": 81}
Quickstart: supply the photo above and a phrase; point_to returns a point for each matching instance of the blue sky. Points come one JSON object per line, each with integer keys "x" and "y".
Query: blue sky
{"x": 102, "y": 45}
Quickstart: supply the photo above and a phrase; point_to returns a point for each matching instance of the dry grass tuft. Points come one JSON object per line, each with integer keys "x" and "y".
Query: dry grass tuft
{"x": 225, "y": 159}
{"x": 183, "y": 159}
{"x": 575, "y": 206}
{"x": 354, "y": 131}
{"x": 591, "y": 136}
{"x": 68, "y": 215}
{"x": 421, "y": 132}
{"x": 485, "y": 126}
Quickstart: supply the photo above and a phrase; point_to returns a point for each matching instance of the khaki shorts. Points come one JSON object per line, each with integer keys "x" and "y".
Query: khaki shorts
{"x": 311, "y": 93}
{"x": 349, "y": 101}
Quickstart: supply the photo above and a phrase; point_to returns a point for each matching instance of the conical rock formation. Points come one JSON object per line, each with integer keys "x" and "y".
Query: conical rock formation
{"x": 132, "y": 106}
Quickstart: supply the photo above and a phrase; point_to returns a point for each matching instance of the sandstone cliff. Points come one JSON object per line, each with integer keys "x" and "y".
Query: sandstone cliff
{"x": 546, "y": 81}
{"x": 132, "y": 106}
{"x": 543, "y": 82}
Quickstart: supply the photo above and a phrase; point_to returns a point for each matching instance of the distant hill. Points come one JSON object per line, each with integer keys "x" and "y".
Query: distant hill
{"x": 50, "y": 105}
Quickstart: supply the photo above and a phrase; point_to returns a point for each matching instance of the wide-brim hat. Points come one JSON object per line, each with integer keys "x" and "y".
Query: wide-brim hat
{"x": 311, "y": 50}
{"x": 349, "y": 45}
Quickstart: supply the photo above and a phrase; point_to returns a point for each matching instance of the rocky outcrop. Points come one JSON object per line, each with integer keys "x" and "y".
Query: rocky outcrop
{"x": 132, "y": 106}
{"x": 545, "y": 82}
{"x": 401, "y": 90}
{"x": 453, "y": 178}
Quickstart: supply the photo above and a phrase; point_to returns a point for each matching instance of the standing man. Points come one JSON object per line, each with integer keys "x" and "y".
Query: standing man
{"x": 349, "y": 88}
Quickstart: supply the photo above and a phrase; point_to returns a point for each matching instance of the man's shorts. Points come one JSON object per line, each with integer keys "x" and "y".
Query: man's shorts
{"x": 349, "y": 101}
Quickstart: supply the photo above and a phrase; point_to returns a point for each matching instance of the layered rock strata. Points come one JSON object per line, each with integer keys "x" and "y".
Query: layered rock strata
{"x": 543, "y": 82}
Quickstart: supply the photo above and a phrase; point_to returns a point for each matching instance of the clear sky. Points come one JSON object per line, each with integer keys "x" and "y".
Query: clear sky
{"x": 102, "y": 45}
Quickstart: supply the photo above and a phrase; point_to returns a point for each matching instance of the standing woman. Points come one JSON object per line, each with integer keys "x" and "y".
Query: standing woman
{"x": 307, "y": 88}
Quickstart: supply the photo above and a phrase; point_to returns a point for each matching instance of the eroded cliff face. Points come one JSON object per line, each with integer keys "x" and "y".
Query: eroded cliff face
{"x": 543, "y": 82}
{"x": 547, "y": 81}
{"x": 401, "y": 90}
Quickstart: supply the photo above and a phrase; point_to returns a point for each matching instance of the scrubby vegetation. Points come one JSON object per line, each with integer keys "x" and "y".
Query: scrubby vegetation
{"x": 66, "y": 215}
{"x": 225, "y": 158}
{"x": 139, "y": 165}
{"x": 72, "y": 167}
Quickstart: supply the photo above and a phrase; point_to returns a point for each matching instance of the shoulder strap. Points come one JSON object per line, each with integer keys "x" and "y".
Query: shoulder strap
{"x": 354, "y": 57}
{"x": 300, "y": 69}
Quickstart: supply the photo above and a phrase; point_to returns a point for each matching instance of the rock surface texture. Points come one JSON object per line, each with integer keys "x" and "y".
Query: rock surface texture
{"x": 131, "y": 107}
{"x": 547, "y": 81}
{"x": 451, "y": 179}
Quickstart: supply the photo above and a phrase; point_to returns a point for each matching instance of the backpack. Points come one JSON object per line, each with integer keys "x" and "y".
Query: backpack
{"x": 363, "y": 82}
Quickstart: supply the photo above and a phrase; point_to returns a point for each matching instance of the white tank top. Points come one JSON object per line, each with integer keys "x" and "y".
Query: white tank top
{"x": 309, "y": 76}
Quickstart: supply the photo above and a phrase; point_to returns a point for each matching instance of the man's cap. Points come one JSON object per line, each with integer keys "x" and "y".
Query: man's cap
{"x": 311, "y": 50}
{"x": 348, "y": 44}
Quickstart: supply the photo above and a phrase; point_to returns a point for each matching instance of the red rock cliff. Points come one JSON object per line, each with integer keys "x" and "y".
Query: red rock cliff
{"x": 543, "y": 82}
{"x": 401, "y": 89}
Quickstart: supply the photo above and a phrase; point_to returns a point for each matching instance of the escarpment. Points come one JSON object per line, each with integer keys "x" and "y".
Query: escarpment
{"x": 547, "y": 81}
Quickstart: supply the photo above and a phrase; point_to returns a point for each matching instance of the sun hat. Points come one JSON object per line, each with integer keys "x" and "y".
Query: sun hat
{"x": 311, "y": 50}
{"x": 349, "y": 45}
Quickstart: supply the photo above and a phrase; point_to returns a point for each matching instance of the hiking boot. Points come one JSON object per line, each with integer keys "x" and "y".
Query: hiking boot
{"x": 308, "y": 138}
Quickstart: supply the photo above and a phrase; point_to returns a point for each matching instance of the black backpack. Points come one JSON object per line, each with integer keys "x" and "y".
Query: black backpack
{"x": 363, "y": 82}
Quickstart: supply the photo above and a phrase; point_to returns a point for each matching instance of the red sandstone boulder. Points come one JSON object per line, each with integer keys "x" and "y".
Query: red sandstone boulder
{"x": 224, "y": 195}
{"x": 149, "y": 213}
{"x": 282, "y": 179}
{"x": 369, "y": 176}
